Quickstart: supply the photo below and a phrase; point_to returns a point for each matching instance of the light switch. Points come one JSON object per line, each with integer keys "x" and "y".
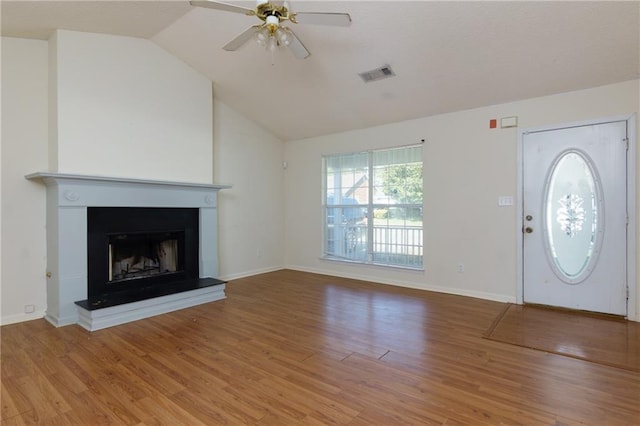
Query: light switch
{"x": 505, "y": 200}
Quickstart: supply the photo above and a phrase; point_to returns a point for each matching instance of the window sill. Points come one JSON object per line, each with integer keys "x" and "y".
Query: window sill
{"x": 380, "y": 265}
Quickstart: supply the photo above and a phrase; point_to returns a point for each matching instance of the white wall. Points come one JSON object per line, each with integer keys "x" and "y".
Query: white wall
{"x": 24, "y": 150}
{"x": 101, "y": 122}
{"x": 467, "y": 167}
{"x": 89, "y": 104}
{"x": 251, "y": 214}
{"x": 125, "y": 107}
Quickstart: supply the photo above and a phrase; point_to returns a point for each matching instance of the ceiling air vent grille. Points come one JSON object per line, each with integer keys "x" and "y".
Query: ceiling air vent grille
{"x": 377, "y": 74}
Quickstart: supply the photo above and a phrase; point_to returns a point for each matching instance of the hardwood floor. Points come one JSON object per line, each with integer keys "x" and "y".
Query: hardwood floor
{"x": 296, "y": 348}
{"x": 604, "y": 339}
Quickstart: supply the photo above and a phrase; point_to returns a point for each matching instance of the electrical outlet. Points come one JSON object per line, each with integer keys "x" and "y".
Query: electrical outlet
{"x": 259, "y": 253}
{"x": 460, "y": 267}
{"x": 29, "y": 309}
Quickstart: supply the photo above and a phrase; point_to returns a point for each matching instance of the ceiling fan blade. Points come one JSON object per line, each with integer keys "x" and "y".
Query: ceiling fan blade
{"x": 296, "y": 46}
{"x": 222, "y": 6}
{"x": 237, "y": 42}
{"x": 318, "y": 18}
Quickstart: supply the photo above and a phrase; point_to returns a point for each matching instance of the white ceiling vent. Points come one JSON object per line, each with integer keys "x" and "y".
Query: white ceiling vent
{"x": 384, "y": 71}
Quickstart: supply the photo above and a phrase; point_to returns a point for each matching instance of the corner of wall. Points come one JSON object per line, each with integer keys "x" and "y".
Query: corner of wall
{"x": 251, "y": 214}
{"x": 53, "y": 103}
{"x": 22, "y": 205}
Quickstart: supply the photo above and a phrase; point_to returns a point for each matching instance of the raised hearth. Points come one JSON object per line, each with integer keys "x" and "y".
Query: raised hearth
{"x": 69, "y": 197}
{"x": 125, "y": 306}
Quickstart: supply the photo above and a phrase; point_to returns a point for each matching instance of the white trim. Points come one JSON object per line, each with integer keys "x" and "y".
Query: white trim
{"x": 251, "y": 273}
{"x": 51, "y": 177}
{"x": 121, "y": 314}
{"x": 407, "y": 284}
{"x": 632, "y": 302}
{"x": 60, "y": 321}
{"x": 370, "y": 206}
{"x": 329, "y": 258}
{"x": 519, "y": 218}
{"x": 632, "y": 176}
{"x": 69, "y": 196}
{"x": 16, "y": 318}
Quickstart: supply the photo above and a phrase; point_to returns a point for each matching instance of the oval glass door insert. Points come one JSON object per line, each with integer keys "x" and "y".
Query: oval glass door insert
{"x": 573, "y": 204}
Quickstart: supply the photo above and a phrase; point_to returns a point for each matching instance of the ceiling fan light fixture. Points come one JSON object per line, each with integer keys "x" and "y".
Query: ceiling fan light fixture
{"x": 261, "y": 37}
{"x": 272, "y": 44}
{"x": 284, "y": 36}
{"x": 270, "y": 33}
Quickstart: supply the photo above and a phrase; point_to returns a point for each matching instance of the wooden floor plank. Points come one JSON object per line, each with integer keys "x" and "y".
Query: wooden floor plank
{"x": 35, "y": 396}
{"x": 603, "y": 339}
{"x": 297, "y": 348}
{"x": 8, "y": 406}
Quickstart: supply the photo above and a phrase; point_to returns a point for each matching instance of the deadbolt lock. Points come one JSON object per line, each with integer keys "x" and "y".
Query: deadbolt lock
{"x": 529, "y": 217}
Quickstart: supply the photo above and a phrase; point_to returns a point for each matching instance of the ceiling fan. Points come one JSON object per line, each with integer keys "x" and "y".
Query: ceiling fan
{"x": 271, "y": 33}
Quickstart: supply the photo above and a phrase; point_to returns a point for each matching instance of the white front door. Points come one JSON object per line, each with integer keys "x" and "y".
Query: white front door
{"x": 575, "y": 217}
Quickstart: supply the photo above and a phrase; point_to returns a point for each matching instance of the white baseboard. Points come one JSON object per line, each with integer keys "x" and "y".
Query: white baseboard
{"x": 16, "y": 318}
{"x": 251, "y": 273}
{"x": 401, "y": 283}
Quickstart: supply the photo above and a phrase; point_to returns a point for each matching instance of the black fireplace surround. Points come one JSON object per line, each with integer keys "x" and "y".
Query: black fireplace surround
{"x": 126, "y": 226}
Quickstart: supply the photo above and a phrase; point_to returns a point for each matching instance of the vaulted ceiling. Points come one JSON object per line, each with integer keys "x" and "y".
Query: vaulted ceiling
{"x": 447, "y": 56}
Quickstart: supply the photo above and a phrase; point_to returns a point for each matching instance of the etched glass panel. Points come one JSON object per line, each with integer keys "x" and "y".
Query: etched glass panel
{"x": 572, "y": 214}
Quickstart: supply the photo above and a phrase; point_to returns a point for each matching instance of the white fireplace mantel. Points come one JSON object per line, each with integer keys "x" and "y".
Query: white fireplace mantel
{"x": 69, "y": 195}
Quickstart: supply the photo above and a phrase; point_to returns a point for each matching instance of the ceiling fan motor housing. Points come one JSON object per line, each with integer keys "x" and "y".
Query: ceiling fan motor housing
{"x": 272, "y": 23}
{"x": 266, "y": 10}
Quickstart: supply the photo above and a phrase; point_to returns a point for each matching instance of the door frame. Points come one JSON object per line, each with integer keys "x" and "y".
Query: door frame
{"x": 632, "y": 304}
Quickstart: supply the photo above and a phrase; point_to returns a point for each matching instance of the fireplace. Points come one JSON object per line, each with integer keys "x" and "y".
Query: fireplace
{"x": 134, "y": 251}
{"x": 121, "y": 249}
{"x": 133, "y": 256}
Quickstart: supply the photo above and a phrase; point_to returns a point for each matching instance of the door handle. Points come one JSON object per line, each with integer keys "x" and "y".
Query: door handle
{"x": 528, "y": 230}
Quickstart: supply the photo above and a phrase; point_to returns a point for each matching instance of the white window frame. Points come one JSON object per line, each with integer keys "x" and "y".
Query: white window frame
{"x": 360, "y": 241}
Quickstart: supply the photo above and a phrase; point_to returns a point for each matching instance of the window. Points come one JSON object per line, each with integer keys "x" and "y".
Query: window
{"x": 372, "y": 205}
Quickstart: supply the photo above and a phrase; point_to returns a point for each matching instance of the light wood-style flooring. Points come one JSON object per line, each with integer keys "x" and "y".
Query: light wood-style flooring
{"x": 600, "y": 338}
{"x": 297, "y": 348}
